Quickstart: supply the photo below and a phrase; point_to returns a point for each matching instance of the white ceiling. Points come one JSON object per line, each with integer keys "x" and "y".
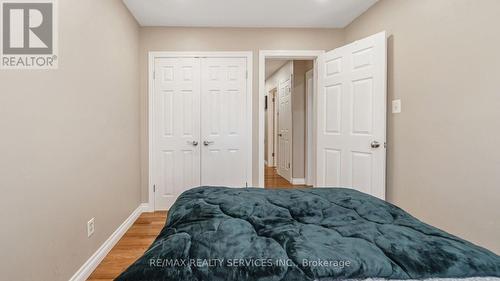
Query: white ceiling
{"x": 272, "y": 65}
{"x": 248, "y": 13}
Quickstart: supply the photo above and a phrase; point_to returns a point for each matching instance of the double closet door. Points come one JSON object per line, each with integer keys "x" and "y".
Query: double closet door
{"x": 199, "y": 125}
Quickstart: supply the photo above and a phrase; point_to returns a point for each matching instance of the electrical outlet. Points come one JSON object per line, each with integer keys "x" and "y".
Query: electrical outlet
{"x": 90, "y": 227}
{"x": 396, "y": 106}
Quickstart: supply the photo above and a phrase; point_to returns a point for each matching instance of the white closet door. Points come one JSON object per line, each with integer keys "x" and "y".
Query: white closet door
{"x": 223, "y": 119}
{"x": 176, "y": 132}
{"x": 352, "y": 116}
{"x": 285, "y": 129}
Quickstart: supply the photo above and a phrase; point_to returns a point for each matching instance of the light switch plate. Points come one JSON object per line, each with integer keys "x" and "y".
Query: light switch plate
{"x": 90, "y": 227}
{"x": 396, "y": 106}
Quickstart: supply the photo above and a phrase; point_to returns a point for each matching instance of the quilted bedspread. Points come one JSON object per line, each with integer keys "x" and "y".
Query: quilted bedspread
{"x": 226, "y": 234}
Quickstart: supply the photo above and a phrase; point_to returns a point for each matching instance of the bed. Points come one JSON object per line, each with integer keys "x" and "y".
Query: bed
{"x": 219, "y": 233}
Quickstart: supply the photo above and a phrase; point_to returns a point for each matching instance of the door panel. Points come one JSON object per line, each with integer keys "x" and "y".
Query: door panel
{"x": 223, "y": 117}
{"x": 176, "y": 125}
{"x": 352, "y": 115}
{"x": 332, "y": 163}
{"x": 285, "y": 129}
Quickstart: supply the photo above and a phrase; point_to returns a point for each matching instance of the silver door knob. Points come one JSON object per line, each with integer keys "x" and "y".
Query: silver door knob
{"x": 193, "y": 143}
{"x": 375, "y": 144}
{"x": 207, "y": 143}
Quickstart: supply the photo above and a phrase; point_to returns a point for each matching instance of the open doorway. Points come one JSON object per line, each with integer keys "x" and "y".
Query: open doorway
{"x": 347, "y": 143}
{"x": 288, "y": 87}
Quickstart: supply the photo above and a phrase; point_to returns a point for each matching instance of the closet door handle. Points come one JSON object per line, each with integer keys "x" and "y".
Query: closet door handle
{"x": 193, "y": 143}
{"x": 207, "y": 143}
{"x": 375, "y": 144}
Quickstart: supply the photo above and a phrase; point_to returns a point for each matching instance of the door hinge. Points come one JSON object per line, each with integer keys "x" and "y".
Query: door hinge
{"x": 154, "y": 75}
{"x": 272, "y": 154}
{"x": 246, "y": 184}
{"x": 154, "y": 187}
{"x": 246, "y": 74}
{"x": 289, "y": 166}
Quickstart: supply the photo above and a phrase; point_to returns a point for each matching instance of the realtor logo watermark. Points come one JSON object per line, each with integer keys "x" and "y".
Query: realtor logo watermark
{"x": 29, "y": 34}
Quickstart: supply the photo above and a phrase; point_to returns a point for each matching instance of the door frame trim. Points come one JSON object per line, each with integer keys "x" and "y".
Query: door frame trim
{"x": 271, "y": 104}
{"x": 309, "y": 103}
{"x": 278, "y": 54}
{"x": 248, "y": 55}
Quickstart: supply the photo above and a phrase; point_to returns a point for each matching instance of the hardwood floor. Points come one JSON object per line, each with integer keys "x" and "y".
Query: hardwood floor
{"x": 143, "y": 232}
{"x": 132, "y": 245}
{"x": 273, "y": 180}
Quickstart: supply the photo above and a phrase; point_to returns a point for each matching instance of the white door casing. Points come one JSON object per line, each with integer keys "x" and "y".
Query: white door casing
{"x": 275, "y": 127}
{"x": 309, "y": 126}
{"x": 176, "y": 154}
{"x": 285, "y": 129}
{"x": 223, "y": 116}
{"x": 351, "y": 116}
{"x": 271, "y": 128}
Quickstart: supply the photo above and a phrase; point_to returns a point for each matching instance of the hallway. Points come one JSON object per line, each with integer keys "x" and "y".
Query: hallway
{"x": 273, "y": 180}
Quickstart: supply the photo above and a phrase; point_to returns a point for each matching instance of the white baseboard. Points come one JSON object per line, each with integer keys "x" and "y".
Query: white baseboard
{"x": 91, "y": 264}
{"x": 298, "y": 181}
{"x": 146, "y": 208}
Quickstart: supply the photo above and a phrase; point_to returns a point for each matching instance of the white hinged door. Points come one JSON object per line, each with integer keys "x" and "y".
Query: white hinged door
{"x": 176, "y": 136}
{"x": 224, "y": 124}
{"x": 351, "y": 116}
{"x": 285, "y": 129}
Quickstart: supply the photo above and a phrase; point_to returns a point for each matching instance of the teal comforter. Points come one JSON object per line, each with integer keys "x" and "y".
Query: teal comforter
{"x": 218, "y": 233}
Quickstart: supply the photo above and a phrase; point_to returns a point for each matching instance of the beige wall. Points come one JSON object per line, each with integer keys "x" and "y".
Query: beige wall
{"x": 300, "y": 67}
{"x": 443, "y": 151}
{"x": 69, "y": 144}
{"x": 224, "y": 39}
